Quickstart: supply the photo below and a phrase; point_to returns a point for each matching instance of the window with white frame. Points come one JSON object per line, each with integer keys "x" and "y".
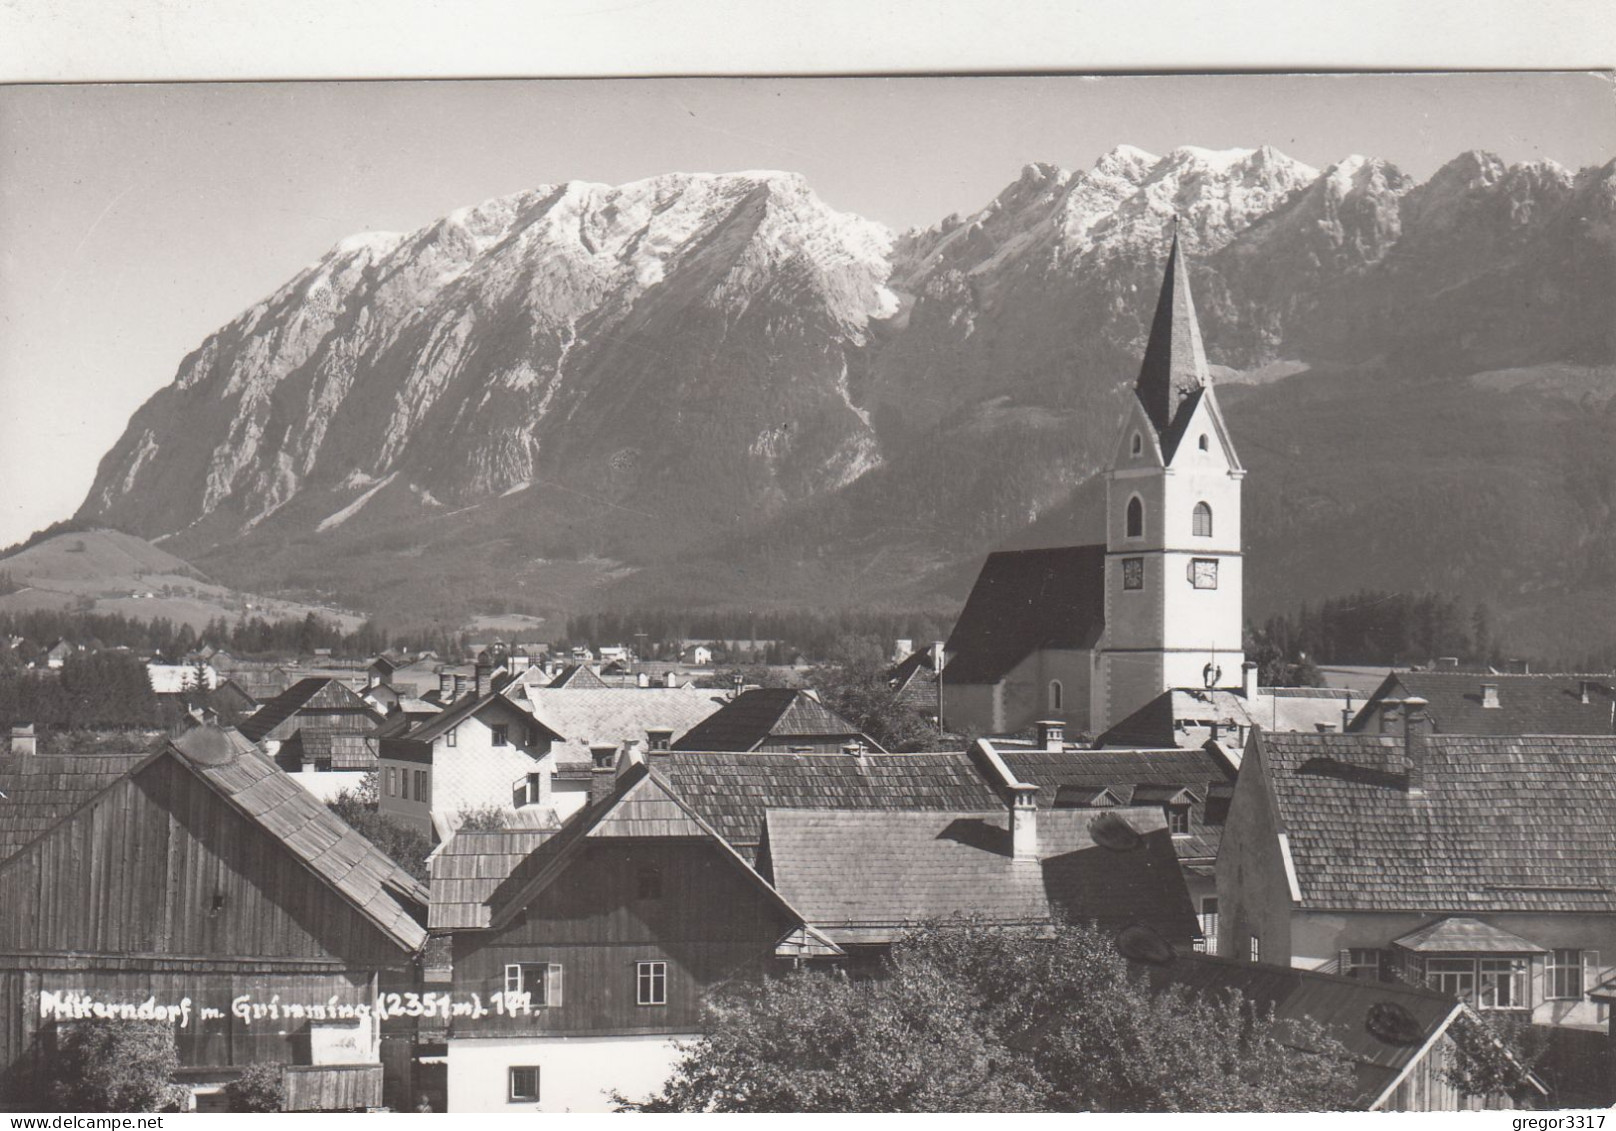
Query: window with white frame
{"x": 1455, "y": 977}
{"x": 1564, "y": 975}
{"x": 1502, "y": 982}
{"x": 1178, "y": 819}
{"x": 1202, "y": 520}
{"x": 451, "y": 737}
{"x": 651, "y": 983}
{"x": 1254, "y": 949}
{"x": 524, "y": 1081}
{"x": 540, "y": 981}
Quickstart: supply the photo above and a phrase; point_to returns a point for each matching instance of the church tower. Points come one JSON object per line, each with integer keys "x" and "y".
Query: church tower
{"x": 1173, "y": 610}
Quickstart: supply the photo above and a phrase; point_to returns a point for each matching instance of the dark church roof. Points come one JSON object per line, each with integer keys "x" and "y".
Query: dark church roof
{"x": 1023, "y": 601}
{"x": 1174, "y": 369}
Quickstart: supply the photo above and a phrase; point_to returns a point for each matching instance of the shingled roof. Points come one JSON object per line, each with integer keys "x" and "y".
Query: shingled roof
{"x": 864, "y": 877}
{"x": 1527, "y": 704}
{"x": 732, "y": 791}
{"x": 1024, "y": 601}
{"x": 767, "y": 715}
{"x": 1123, "y": 774}
{"x": 583, "y": 716}
{"x": 316, "y": 693}
{"x": 1501, "y": 824}
{"x": 468, "y": 869}
{"x": 37, "y": 791}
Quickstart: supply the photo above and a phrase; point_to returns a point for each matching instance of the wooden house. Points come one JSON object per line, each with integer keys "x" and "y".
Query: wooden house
{"x": 200, "y": 885}
{"x": 592, "y": 951}
{"x": 317, "y": 704}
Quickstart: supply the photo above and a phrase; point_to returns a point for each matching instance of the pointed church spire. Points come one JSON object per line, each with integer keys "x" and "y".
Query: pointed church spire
{"x": 1175, "y": 360}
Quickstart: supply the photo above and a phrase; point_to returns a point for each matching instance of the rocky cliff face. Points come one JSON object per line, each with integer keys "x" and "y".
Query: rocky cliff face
{"x": 683, "y": 334}
{"x": 700, "y": 360}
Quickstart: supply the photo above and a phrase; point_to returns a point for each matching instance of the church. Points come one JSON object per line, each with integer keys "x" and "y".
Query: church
{"x": 1090, "y": 634}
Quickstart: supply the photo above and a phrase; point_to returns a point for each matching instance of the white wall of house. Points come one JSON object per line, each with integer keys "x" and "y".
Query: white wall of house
{"x": 470, "y": 773}
{"x": 326, "y": 784}
{"x": 575, "y": 1073}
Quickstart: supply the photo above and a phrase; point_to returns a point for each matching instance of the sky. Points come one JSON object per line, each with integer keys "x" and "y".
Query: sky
{"x": 137, "y": 219}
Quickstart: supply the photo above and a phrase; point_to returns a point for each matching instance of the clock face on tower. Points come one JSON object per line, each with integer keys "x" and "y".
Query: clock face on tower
{"x": 1133, "y": 573}
{"x": 1204, "y": 573}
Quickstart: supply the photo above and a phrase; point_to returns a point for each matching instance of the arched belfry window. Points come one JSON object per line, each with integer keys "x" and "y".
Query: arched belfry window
{"x": 1136, "y": 518}
{"x": 1204, "y": 445}
{"x": 1138, "y": 443}
{"x": 1057, "y": 695}
{"x": 1203, "y": 520}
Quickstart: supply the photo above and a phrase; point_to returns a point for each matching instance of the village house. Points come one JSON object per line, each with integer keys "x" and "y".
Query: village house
{"x": 1089, "y": 634}
{"x": 200, "y": 880}
{"x": 1488, "y": 703}
{"x": 778, "y": 720}
{"x": 1482, "y": 866}
{"x": 599, "y": 946}
{"x": 1188, "y": 717}
{"x": 481, "y": 751}
{"x": 321, "y": 732}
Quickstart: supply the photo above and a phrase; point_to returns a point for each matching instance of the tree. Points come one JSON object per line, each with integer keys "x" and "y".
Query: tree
{"x": 114, "y": 1066}
{"x": 260, "y": 1087}
{"x": 968, "y": 1017}
{"x": 1493, "y": 1056}
{"x": 854, "y": 684}
{"x": 407, "y": 846}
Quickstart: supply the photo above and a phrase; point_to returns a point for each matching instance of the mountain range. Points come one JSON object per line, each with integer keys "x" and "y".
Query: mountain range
{"x": 716, "y": 390}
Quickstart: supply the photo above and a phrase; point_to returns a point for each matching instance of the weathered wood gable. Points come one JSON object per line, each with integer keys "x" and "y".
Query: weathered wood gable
{"x": 161, "y": 864}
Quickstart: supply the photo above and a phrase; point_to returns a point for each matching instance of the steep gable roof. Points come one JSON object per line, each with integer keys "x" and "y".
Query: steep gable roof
{"x": 577, "y": 676}
{"x": 867, "y": 877}
{"x": 316, "y": 693}
{"x": 1174, "y": 366}
{"x": 1527, "y": 704}
{"x": 1024, "y": 601}
{"x": 641, "y": 804}
{"x": 732, "y": 791}
{"x": 467, "y": 706}
{"x": 758, "y": 716}
{"x": 1501, "y": 824}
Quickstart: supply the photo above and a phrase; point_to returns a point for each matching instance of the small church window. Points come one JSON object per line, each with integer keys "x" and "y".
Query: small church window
{"x": 1056, "y": 695}
{"x": 1139, "y": 443}
{"x": 1136, "y": 518}
{"x": 1204, "y": 445}
{"x": 1203, "y": 520}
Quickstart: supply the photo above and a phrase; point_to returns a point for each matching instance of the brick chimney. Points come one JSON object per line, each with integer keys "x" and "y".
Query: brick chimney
{"x": 446, "y": 685}
{"x": 1416, "y": 727}
{"x": 1489, "y": 696}
{"x": 643, "y": 679}
{"x": 1024, "y": 822}
{"x": 1346, "y": 714}
{"x": 670, "y": 679}
{"x": 659, "y": 738}
{"x": 1051, "y": 735}
{"x": 602, "y": 770}
{"x": 1248, "y": 681}
{"x": 24, "y": 743}
{"x": 853, "y": 749}
{"x": 1586, "y": 686}
{"x": 484, "y": 672}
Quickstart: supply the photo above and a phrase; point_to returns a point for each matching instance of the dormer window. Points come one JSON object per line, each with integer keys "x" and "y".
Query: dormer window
{"x": 1202, "y": 519}
{"x": 1135, "y": 527}
{"x": 1178, "y": 819}
{"x": 1138, "y": 443}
